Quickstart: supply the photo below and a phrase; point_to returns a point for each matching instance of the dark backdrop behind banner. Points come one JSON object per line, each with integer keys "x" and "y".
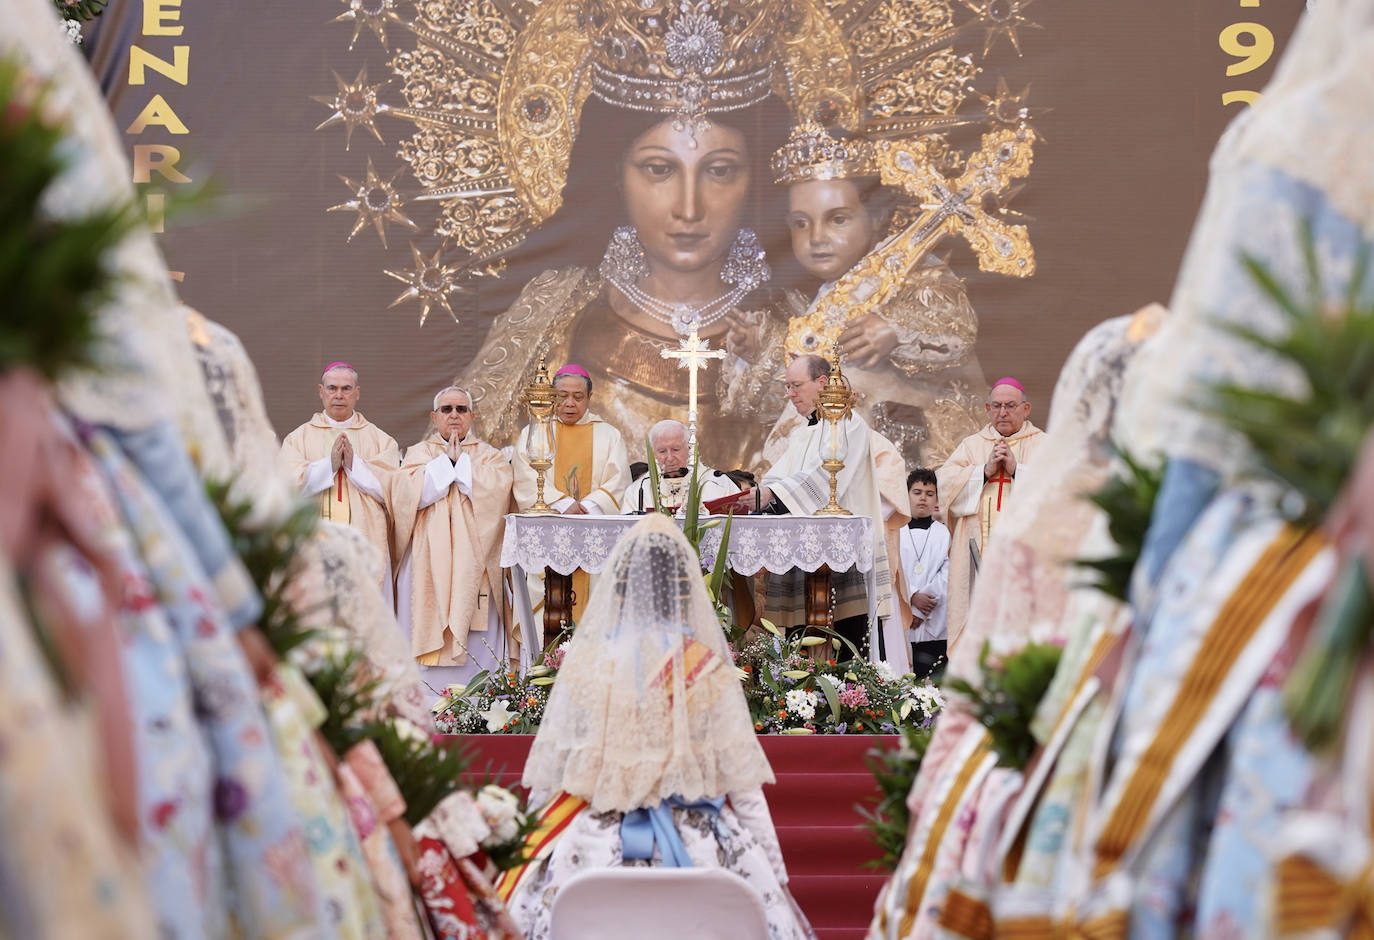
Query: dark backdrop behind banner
{"x": 1134, "y": 98}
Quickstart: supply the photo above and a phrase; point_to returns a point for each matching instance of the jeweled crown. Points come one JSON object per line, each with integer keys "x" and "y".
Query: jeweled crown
{"x": 687, "y": 58}
{"x": 811, "y": 153}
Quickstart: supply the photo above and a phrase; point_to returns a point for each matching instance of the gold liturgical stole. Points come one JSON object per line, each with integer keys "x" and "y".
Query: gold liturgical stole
{"x": 572, "y": 473}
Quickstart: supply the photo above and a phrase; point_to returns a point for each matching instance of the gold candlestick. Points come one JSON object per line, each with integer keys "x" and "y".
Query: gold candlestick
{"x": 834, "y": 402}
{"x": 540, "y": 440}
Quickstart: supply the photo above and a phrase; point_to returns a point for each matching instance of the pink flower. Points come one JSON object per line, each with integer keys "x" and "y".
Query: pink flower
{"x": 853, "y": 695}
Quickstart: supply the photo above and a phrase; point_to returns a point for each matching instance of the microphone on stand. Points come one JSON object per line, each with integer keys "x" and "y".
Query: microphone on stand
{"x": 641, "y": 501}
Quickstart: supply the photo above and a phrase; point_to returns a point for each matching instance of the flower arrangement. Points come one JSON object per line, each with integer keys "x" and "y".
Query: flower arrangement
{"x": 792, "y": 690}
{"x": 509, "y": 821}
{"x": 789, "y": 691}
{"x": 499, "y": 702}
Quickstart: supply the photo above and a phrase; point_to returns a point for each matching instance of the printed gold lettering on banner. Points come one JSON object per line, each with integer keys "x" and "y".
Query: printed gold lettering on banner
{"x": 157, "y": 112}
{"x": 178, "y": 70}
{"x": 157, "y": 158}
{"x": 157, "y": 14}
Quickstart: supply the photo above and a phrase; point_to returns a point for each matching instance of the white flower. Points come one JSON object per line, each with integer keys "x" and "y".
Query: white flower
{"x": 498, "y": 716}
{"x": 501, "y": 811}
{"x": 801, "y": 703}
{"x": 885, "y": 672}
{"x": 72, "y": 30}
{"x": 409, "y": 731}
{"x": 928, "y": 698}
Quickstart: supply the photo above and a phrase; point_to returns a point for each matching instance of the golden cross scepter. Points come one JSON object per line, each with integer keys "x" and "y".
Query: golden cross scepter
{"x": 691, "y": 355}
{"x": 948, "y": 206}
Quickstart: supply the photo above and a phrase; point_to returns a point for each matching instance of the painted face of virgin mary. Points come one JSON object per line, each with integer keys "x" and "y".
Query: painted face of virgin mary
{"x": 686, "y": 202}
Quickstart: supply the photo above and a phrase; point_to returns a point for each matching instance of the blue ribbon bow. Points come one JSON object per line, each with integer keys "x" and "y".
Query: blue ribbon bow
{"x": 642, "y": 829}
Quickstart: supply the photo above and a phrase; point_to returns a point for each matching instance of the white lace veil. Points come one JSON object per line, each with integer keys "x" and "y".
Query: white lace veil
{"x": 647, "y": 703}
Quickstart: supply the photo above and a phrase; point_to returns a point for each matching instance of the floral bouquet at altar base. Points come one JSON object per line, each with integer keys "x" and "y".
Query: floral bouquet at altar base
{"x": 496, "y": 702}
{"x": 791, "y": 690}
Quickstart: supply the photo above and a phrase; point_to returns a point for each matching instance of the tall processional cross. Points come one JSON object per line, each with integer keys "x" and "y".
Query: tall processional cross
{"x": 692, "y": 354}
{"x": 958, "y": 205}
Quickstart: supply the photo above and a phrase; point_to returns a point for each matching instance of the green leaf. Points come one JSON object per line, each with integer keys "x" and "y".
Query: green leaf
{"x": 827, "y": 687}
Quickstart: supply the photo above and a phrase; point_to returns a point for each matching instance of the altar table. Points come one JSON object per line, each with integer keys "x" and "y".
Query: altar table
{"x": 561, "y": 545}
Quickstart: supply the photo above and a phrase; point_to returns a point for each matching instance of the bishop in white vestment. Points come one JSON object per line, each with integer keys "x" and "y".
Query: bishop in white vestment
{"x": 798, "y": 485}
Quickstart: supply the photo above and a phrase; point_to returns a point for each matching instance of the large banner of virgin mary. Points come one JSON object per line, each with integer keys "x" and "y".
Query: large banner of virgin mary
{"x": 446, "y": 191}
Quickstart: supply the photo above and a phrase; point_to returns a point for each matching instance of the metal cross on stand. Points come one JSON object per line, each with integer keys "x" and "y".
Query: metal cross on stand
{"x": 691, "y": 355}
{"x": 948, "y": 206}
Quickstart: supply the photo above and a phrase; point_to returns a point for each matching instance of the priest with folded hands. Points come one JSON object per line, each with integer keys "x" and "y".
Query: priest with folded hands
{"x": 344, "y": 462}
{"x": 449, "y": 499}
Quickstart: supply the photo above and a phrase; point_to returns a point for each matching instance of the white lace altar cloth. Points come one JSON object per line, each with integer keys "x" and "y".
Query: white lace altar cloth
{"x": 757, "y": 543}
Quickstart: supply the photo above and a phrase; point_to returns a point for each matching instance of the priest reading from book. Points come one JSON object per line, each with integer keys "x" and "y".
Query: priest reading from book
{"x": 345, "y": 461}
{"x": 450, "y": 499}
{"x": 591, "y": 468}
{"x": 797, "y": 484}
{"x": 673, "y": 454}
{"x": 976, "y": 482}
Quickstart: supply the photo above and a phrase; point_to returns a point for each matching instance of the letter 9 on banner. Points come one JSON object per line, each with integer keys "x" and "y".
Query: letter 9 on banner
{"x": 1251, "y": 45}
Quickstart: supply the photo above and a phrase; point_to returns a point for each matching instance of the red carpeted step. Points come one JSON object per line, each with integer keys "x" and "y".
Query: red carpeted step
{"x": 841, "y": 933}
{"x": 820, "y": 779}
{"x": 790, "y": 753}
{"x": 819, "y": 850}
{"x": 818, "y": 799}
{"x": 836, "y": 900}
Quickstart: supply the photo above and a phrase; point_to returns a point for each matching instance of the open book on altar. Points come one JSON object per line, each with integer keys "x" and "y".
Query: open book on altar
{"x": 734, "y": 503}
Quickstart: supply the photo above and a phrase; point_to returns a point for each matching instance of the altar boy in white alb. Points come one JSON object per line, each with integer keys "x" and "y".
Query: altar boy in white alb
{"x": 798, "y": 485}
{"x": 924, "y": 578}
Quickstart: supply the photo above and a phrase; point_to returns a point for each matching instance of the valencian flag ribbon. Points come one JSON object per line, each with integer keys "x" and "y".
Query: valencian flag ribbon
{"x": 554, "y": 818}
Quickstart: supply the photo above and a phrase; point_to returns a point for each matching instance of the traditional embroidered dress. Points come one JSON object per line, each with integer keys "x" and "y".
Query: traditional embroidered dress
{"x": 672, "y": 490}
{"x": 348, "y": 905}
{"x": 265, "y": 866}
{"x": 449, "y": 522}
{"x": 1226, "y": 603}
{"x": 355, "y": 495}
{"x": 802, "y": 485}
{"x": 63, "y": 869}
{"x": 711, "y": 837}
{"x": 972, "y": 506}
{"x": 645, "y": 735}
{"x": 590, "y": 466}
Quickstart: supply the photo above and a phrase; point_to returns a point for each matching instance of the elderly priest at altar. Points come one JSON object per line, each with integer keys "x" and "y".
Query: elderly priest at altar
{"x": 798, "y": 485}
{"x": 449, "y": 500}
{"x": 673, "y": 453}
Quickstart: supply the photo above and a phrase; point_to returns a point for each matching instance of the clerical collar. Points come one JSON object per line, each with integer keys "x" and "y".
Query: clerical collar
{"x": 922, "y": 523}
{"x": 813, "y": 420}
{"x": 674, "y": 474}
{"x": 340, "y": 425}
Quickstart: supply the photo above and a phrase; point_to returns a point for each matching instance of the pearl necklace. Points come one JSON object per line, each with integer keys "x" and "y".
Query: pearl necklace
{"x": 681, "y": 317}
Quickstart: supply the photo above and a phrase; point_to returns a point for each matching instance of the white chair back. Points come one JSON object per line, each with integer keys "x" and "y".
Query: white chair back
{"x": 658, "y": 904}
